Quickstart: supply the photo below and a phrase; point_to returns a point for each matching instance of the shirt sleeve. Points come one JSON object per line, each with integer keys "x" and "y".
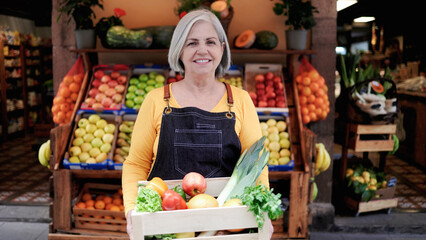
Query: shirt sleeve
{"x": 138, "y": 164}
{"x": 251, "y": 132}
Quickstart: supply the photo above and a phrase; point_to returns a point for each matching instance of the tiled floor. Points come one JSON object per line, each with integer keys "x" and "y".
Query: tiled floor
{"x": 24, "y": 180}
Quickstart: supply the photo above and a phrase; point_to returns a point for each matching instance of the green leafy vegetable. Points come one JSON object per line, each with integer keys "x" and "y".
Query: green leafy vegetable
{"x": 148, "y": 200}
{"x": 260, "y": 200}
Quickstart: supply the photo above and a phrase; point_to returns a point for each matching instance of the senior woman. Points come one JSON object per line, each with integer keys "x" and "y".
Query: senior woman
{"x": 197, "y": 124}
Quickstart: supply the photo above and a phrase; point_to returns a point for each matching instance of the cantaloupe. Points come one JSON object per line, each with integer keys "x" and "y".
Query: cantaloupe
{"x": 221, "y": 7}
{"x": 245, "y": 39}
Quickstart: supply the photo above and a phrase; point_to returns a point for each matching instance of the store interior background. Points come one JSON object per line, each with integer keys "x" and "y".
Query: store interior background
{"x": 400, "y": 20}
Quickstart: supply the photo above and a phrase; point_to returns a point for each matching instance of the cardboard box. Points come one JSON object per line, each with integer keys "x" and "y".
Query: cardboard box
{"x": 199, "y": 220}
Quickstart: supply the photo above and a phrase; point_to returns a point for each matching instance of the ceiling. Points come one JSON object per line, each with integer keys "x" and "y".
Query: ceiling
{"x": 38, "y": 10}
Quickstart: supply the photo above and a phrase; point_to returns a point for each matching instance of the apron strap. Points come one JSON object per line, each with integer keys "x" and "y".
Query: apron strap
{"x": 230, "y": 100}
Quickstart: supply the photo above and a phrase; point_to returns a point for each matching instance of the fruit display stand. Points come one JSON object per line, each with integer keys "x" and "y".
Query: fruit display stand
{"x": 66, "y": 181}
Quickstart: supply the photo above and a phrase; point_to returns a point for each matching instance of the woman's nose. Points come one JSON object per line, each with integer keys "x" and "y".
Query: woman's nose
{"x": 202, "y": 48}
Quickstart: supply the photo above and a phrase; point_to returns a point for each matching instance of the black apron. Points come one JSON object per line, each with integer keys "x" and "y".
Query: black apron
{"x": 194, "y": 140}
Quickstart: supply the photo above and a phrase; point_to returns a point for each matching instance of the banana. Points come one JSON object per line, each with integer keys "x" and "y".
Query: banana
{"x": 41, "y": 156}
{"x": 327, "y": 161}
{"x": 47, "y": 151}
{"x": 319, "y": 159}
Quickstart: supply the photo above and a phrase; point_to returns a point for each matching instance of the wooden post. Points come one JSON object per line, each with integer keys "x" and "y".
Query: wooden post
{"x": 62, "y": 200}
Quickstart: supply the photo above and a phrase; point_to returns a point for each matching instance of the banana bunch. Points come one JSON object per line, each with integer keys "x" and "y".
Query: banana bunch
{"x": 44, "y": 154}
{"x": 322, "y": 159}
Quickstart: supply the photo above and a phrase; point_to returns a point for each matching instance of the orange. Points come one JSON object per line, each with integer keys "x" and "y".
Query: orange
{"x": 55, "y": 109}
{"x": 60, "y": 116}
{"x": 116, "y": 195}
{"x": 64, "y": 92}
{"x": 319, "y": 102}
{"x": 107, "y": 199}
{"x": 306, "y": 119}
{"x": 81, "y": 205}
{"x": 55, "y": 119}
{"x": 68, "y": 79}
{"x": 314, "y": 87}
{"x": 318, "y": 112}
{"x": 122, "y": 208}
{"x": 298, "y": 79}
{"x": 306, "y": 81}
{"x": 86, "y": 197}
{"x": 311, "y": 98}
{"x": 231, "y": 203}
{"x": 74, "y": 87}
{"x": 78, "y": 78}
{"x": 64, "y": 107}
{"x": 306, "y": 91}
{"x": 304, "y": 110}
{"x": 99, "y": 197}
{"x": 313, "y": 74}
{"x": 91, "y": 207}
{"x": 100, "y": 204}
{"x": 90, "y": 203}
{"x": 117, "y": 201}
{"x": 74, "y": 96}
{"x": 68, "y": 115}
{"x": 320, "y": 92}
{"x": 115, "y": 208}
{"x": 303, "y": 100}
{"x": 311, "y": 107}
{"x": 58, "y": 99}
{"x": 313, "y": 116}
{"x": 108, "y": 206}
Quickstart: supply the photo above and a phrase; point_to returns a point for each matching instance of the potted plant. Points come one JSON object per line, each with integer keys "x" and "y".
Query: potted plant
{"x": 82, "y": 13}
{"x": 300, "y": 19}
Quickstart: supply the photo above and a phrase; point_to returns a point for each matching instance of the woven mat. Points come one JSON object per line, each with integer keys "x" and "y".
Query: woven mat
{"x": 23, "y": 180}
{"x": 411, "y": 184}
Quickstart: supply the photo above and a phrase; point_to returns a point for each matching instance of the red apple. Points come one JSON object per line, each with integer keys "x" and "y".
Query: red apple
{"x": 262, "y": 104}
{"x": 260, "y": 92}
{"x": 269, "y": 83}
{"x": 280, "y": 104}
{"x": 280, "y": 92}
{"x": 253, "y": 95}
{"x": 117, "y": 98}
{"x": 269, "y": 89}
{"x": 279, "y": 85}
{"x": 93, "y": 92}
{"x": 269, "y": 76}
{"x": 113, "y": 105}
{"x": 99, "y": 73}
{"x": 103, "y": 87}
{"x": 105, "y": 78}
{"x": 122, "y": 79}
{"x": 115, "y": 74}
{"x": 259, "y": 78}
{"x": 260, "y": 85}
{"x": 194, "y": 183}
{"x": 106, "y": 102}
{"x": 99, "y": 97}
{"x": 271, "y": 95}
{"x": 97, "y": 107}
{"x": 277, "y": 79}
{"x": 280, "y": 99}
{"x": 262, "y": 98}
{"x": 89, "y": 101}
{"x": 112, "y": 83}
{"x": 96, "y": 83}
{"x": 271, "y": 103}
{"x": 110, "y": 92}
{"x": 120, "y": 88}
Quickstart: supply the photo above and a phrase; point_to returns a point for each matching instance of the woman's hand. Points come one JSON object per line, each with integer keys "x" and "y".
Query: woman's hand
{"x": 129, "y": 224}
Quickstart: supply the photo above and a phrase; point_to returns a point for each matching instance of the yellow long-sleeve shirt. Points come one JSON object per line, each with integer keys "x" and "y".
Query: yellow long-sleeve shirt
{"x": 146, "y": 132}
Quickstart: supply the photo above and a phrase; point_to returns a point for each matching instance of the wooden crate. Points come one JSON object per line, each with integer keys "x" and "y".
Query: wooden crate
{"x": 99, "y": 219}
{"x": 199, "y": 220}
{"x": 375, "y": 143}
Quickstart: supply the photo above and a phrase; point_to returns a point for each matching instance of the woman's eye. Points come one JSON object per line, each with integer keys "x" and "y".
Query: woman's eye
{"x": 192, "y": 43}
{"x": 211, "y": 42}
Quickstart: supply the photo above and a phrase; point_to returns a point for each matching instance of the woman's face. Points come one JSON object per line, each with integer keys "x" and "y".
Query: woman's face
{"x": 202, "y": 51}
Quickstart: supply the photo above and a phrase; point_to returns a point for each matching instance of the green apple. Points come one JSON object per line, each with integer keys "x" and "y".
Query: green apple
{"x": 91, "y": 128}
{"x": 82, "y": 122}
{"x": 152, "y": 75}
{"x": 74, "y": 159}
{"x": 108, "y": 138}
{"x": 274, "y": 137}
{"x": 160, "y": 78}
{"x": 101, "y": 157}
{"x": 139, "y": 92}
{"x": 75, "y": 151}
{"x": 274, "y": 154}
{"x": 85, "y": 147}
{"x": 94, "y": 152}
{"x": 143, "y": 77}
{"x": 101, "y": 123}
{"x": 274, "y": 147}
{"x": 80, "y": 132}
{"x": 91, "y": 160}
{"x": 96, "y": 142}
{"x": 106, "y": 147}
{"x": 157, "y": 85}
{"x": 130, "y": 95}
{"x": 149, "y": 88}
{"x": 94, "y": 118}
{"x": 77, "y": 141}
{"x": 133, "y": 81}
{"x": 88, "y": 137}
{"x": 84, "y": 156}
{"x": 141, "y": 85}
{"x": 99, "y": 133}
{"x": 285, "y": 143}
{"x": 151, "y": 82}
{"x": 137, "y": 106}
{"x": 138, "y": 100}
{"x": 283, "y": 135}
{"x": 131, "y": 88}
{"x": 109, "y": 128}
{"x": 130, "y": 103}
{"x": 281, "y": 125}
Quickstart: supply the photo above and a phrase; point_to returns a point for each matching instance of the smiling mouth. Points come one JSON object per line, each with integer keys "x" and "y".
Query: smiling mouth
{"x": 203, "y": 61}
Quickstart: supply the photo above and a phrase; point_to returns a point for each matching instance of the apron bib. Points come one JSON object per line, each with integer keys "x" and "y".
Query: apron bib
{"x": 194, "y": 140}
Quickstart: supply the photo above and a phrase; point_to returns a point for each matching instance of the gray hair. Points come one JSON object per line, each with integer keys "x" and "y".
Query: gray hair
{"x": 181, "y": 33}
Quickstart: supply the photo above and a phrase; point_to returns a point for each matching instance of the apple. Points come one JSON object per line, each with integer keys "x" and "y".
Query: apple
{"x": 269, "y": 89}
{"x": 259, "y": 78}
{"x": 277, "y": 79}
{"x": 132, "y": 88}
{"x": 105, "y": 79}
{"x": 279, "y": 86}
{"x": 269, "y": 83}
{"x": 109, "y": 128}
{"x": 94, "y": 118}
{"x": 106, "y": 102}
{"x": 260, "y": 86}
{"x": 270, "y": 95}
{"x": 103, "y": 87}
{"x": 105, "y": 148}
{"x": 101, "y": 123}
{"x": 74, "y": 159}
{"x": 89, "y": 101}
{"x": 77, "y": 141}
{"x": 99, "y": 74}
{"x": 160, "y": 78}
{"x": 138, "y": 100}
{"x": 120, "y": 88}
{"x": 101, "y": 157}
{"x": 112, "y": 83}
{"x": 96, "y": 142}
{"x": 107, "y": 138}
{"x": 96, "y": 83}
{"x": 269, "y": 76}
{"x": 99, "y": 133}
{"x": 91, "y": 128}
{"x": 99, "y": 97}
{"x": 271, "y": 103}
{"x": 91, "y": 160}
{"x": 261, "y": 92}
{"x": 117, "y": 98}
{"x": 253, "y": 95}
{"x": 98, "y": 107}
{"x": 84, "y": 156}
{"x": 152, "y": 75}
{"x": 194, "y": 183}
{"x": 75, "y": 151}
{"x": 262, "y": 104}
{"x": 262, "y": 98}
{"x": 93, "y": 92}
{"x": 280, "y": 98}
{"x": 115, "y": 74}
{"x": 110, "y": 92}
{"x": 94, "y": 152}
{"x": 88, "y": 137}
{"x": 129, "y": 103}
{"x": 122, "y": 79}
{"x": 82, "y": 123}
{"x": 80, "y": 132}
{"x": 280, "y": 104}
{"x": 85, "y": 147}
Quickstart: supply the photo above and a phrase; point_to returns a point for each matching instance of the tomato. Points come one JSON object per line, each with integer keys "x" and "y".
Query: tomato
{"x": 173, "y": 201}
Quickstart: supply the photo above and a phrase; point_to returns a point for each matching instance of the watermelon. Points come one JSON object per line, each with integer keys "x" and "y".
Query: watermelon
{"x": 121, "y": 37}
{"x": 265, "y": 40}
{"x": 161, "y": 35}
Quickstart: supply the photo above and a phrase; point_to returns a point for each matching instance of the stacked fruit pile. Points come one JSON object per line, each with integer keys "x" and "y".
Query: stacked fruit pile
{"x": 313, "y": 98}
{"x": 277, "y": 141}
{"x": 124, "y": 138}
{"x": 92, "y": 140}
{"x": 93, "y": 201}
{"x": 269, "y": 91}
{"x": 235, "y": 81}
{"x": 140, "y": 85}
{"x": 65, "y": 99}
{"x": 107, "y": 89}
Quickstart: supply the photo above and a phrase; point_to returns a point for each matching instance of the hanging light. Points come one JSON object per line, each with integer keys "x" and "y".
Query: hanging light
{"x": 342, "y": 4}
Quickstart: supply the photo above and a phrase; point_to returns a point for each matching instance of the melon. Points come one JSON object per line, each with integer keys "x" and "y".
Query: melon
{"x": 245, "y": 40}
{"x": 265, "y": 40}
